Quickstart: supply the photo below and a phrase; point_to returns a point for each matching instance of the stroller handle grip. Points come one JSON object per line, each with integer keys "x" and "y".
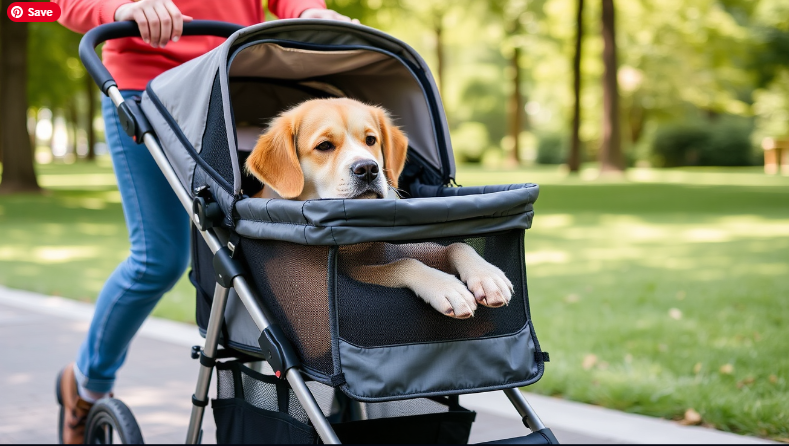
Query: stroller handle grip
{"x": 118, "y": 30}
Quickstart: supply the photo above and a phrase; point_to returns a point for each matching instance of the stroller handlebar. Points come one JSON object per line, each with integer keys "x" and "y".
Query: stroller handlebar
{"x": 118, "y": 30}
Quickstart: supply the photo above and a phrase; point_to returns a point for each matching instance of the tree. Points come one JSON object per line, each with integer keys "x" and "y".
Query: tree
{"x": 574, "y": 159}
{"x": 514, "y": 14}
{"x": 610, "y": 155}
{"x": 17, "y": 155}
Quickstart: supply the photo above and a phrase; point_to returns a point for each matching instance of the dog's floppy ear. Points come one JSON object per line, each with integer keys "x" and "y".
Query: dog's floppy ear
{"x": 394, "y": 145}
{"x": 274, "y": 161}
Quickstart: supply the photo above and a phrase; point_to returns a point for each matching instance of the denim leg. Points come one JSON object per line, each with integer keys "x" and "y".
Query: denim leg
{"x": 159, "y": 235}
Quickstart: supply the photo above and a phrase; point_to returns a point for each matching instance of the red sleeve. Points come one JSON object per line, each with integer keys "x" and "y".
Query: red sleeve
{"x": 82, "y": 15}
{"x": 292, "y": 9}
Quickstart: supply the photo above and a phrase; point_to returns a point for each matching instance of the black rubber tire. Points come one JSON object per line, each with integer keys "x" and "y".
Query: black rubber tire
{"x": 111, "y": 413}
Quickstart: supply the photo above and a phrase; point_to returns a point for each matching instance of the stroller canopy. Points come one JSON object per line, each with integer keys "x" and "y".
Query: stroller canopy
{"x": 207, "y": 104}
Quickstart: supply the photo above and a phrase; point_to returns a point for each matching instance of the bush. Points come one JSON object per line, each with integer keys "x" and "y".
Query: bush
{"x": 720, "y": 144}
{"x": 469, "y": 141}
{"x": 552, "y": 149}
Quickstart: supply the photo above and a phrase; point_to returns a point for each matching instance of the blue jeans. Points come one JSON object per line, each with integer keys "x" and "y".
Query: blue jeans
{"x": 159, "y": 235}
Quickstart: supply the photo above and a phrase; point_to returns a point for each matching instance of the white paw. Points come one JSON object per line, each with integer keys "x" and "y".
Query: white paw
{"x": 490, "y": 286}
{"x": 447, "y": 294}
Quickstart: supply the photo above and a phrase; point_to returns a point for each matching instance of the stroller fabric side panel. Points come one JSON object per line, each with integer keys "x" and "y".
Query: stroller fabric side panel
{"x": 177, "y": 154}
{"x": 438, "y": 368}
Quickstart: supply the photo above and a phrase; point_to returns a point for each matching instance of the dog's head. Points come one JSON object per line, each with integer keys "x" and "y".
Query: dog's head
{"x": 330, "y": 148}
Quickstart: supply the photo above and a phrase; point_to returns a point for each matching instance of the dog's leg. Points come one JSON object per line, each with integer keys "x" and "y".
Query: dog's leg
{"x": 442, "y": 291}
{"x": 488, "y": 283}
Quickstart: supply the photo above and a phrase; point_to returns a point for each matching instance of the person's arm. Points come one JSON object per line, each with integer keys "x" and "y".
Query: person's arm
{"x": 82, "y": 15}
{"x": 159, "y": 20}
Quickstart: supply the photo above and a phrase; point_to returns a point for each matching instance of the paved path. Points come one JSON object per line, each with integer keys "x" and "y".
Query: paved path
{"x": 39, "y": 334}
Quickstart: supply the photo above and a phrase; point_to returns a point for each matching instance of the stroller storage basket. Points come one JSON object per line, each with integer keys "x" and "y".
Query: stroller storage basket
{"x": 378, "y": 343}
{"x": 258, "y": 408}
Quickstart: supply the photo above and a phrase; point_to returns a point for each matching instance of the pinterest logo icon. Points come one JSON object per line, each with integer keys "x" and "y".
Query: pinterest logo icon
{"x": 33, "y": 11}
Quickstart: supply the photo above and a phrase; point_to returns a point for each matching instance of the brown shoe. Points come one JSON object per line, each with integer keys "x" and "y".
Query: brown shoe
{"x": 73, "y": 409}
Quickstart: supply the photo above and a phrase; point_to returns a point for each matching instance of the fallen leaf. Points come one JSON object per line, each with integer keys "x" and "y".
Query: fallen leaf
{"x": 589, "y": 361}
{"x": 773, "y": 379}
{"x": 745, "y": 382}
{"x": 692, "y": 418}
{"x": 675, "y": 314}
{"x": 697, "y": 368}
{"x": 727, "y": 369}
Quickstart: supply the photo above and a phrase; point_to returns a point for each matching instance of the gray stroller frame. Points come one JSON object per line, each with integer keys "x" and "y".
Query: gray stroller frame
{"x": 214, "y": 213}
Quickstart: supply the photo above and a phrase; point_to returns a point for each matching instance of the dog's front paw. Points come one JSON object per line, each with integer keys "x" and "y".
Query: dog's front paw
{"x": 447, "y": 294}
{"x": 489, "y": 285}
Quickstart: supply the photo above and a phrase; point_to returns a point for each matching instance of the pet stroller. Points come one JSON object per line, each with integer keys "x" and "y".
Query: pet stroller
{"x": 331, "y": 359}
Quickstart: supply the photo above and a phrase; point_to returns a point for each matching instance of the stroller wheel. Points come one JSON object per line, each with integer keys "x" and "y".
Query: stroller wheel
{"x": 110, "y": 421}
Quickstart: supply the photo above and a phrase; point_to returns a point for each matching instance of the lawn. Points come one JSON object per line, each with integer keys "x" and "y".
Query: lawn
{"x": 658, "y": 293}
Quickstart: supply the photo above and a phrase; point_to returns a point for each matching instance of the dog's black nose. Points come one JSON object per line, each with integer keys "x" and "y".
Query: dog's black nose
{"x": 365, "y": 170}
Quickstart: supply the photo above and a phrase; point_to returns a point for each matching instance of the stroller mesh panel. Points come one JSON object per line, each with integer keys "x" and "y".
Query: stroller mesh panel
{"x": 214, "y": 148}
{"x": 363, "y": 309}
{"x": 225, "y": 384}
{"x": 259, "y": 394}
{"x": 291, "y": 279}
{"x": 418, "y": 406}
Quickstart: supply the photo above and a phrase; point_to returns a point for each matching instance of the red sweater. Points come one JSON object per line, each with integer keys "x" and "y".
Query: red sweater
{"x": 133, "y": 62}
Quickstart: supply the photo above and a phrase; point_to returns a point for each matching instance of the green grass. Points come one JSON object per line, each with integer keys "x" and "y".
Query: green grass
{"x": 655, "y": 293}
{"x": 67, "y": 241}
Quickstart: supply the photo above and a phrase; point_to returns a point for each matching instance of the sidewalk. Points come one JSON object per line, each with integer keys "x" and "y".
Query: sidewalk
{"x": 39, "y": 334}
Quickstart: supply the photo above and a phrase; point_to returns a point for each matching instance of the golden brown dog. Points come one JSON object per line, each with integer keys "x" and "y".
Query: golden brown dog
{"x": 338, "y": 148}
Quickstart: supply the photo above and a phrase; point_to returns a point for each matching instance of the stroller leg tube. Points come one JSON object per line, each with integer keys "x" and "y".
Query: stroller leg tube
{"x": 200, "y": 398}
{"x": 528, "y": 414}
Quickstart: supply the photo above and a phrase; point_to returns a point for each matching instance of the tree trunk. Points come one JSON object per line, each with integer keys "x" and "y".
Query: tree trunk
{"x": 90, "y": 90}
{"x": 574, "y": 159}
{"x": 73, "y": 118}
{"x": 610, "y": 155}
{"x": 515, "y": 105}
{"x": 18, "y": 172}
{"x": 637, "y": 120}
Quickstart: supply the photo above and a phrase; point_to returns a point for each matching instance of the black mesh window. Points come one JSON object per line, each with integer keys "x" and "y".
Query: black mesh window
{"x": 214, "y": 149}
{"x": 373, "y": 315}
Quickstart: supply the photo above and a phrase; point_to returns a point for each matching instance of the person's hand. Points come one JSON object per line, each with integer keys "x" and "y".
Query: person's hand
{"x": 327, "y": 14}
{"x": 160, "y": 21}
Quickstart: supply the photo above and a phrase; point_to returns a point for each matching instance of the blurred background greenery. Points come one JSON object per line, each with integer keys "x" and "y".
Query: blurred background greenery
{"x": 658, "y": 260}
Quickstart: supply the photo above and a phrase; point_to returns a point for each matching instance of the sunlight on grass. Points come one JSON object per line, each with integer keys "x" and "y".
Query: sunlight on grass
{"x": 48, "y": 254}
{"x": 78, "y": 181}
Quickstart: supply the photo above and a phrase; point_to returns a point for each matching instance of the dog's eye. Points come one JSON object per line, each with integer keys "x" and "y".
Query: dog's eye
{"x": 324, "y": 146}
{"x": 370, "y": 140}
